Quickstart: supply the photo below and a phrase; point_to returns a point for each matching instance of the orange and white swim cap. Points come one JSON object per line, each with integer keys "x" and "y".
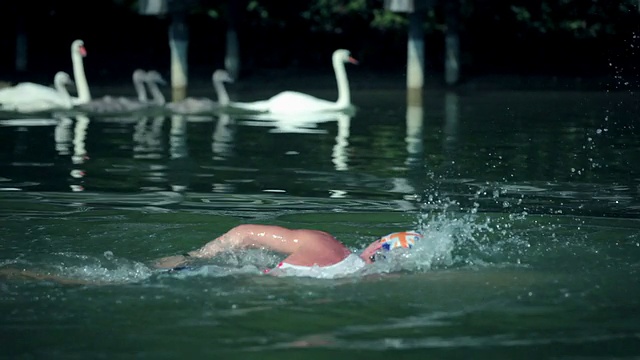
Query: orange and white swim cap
{"x": 403, "y": 239}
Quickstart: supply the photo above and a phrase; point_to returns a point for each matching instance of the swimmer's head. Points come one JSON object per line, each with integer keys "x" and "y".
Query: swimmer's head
{"x": 397, "y": 240}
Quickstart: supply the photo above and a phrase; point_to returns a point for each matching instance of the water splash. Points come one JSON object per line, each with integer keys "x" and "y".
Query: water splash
{"x": 71, "y": 268}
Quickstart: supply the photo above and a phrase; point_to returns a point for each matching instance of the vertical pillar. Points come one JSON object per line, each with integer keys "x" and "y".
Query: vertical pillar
{"x": 452, "y": 42}
{"x": 415, "y": 52}
{"x": 179, "y": 43}
{"x": 232, "y": 55}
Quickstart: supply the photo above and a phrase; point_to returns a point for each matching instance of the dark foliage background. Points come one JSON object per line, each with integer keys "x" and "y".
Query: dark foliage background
{"x": 569, "y": 38}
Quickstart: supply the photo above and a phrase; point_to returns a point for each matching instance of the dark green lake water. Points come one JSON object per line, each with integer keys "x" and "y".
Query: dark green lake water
{"x": 529, "y": 199}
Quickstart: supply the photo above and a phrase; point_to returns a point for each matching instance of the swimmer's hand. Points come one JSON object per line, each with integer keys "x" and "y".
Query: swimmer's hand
{"x": 170, "y": 262}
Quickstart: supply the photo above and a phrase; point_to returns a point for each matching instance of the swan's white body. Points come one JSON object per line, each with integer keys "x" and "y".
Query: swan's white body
{"x": 292, "y": 102}
{"x": 40, "y": 97}
{"x": 31, "y": 97}
{"x": 205, "y": 105}
{"x": 111, "y": 104}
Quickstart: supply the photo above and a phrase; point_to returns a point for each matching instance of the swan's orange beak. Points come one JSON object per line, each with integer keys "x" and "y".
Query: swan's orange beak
{"x": 353, "y": 60}
{"x": 83, "y": 51}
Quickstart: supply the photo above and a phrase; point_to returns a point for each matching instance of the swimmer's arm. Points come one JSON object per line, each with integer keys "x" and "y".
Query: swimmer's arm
{"x": 269, "y": 237}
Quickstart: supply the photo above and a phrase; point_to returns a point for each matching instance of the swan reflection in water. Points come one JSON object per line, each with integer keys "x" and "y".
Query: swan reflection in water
{"x": 65, "y": 139}
{"x": 307, "y": 124}
{"x": 222, "y": 139}
{"x": 147, "y": 138}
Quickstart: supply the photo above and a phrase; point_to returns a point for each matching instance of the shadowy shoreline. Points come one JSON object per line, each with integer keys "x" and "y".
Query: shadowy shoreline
{"x": 323, "y": 79}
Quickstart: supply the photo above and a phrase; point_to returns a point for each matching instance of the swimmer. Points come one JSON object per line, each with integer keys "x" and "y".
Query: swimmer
{"x": 309, "y": 252}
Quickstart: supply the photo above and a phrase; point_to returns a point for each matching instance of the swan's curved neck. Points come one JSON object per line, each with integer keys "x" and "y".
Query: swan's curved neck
{"x": 138, "y": 84}
{"x": 221, "y": 92}
{"x": 61, "y": 88}
{"x": 156, "y": 94}
{"x": 344, "y": 95}
{"x": 84, "y": 95}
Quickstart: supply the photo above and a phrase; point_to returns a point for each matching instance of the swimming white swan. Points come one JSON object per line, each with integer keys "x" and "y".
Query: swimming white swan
{"x": 291, "y": 102}
{"x": 42, "y": 98}
{"x": 111, "y": 104}
{"x": 19, "y": 96}
{"x": 205, "y": 105}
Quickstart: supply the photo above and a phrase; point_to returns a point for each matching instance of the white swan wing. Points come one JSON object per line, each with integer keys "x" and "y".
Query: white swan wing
{"x": 288, "y": 102}
{"x": 34, "y": 105}
{"x": 31, "y": 97}
{"x": 28, "y": 91}
{"x": 292, "y": 102}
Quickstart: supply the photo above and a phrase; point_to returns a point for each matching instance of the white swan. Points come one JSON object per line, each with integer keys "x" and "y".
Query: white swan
{"x": 205, "y": 105}
{"x": 78, "y": 51}
{"x": 20, "y": 95}
{"x": 30, "y": 97}
{"x": 291, "y": 102}
{"x": 111, "y": 104}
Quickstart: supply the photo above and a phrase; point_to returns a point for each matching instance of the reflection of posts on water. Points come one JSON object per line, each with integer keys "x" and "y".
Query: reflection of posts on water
{"x": 222, "y": 138}
{"x": 339, "y": 155}
{"x": 222, "y": 148}
{"x": 79, "y": 151}
{"x": 79, "y": 138}
{"x": 63, "y": 136}
{"x": 415, "y": 126}
{"x": 452, "y": 119}
{"x": 415, "y": 149}
{"x": 147, "y": 138}
{"x": 179, "y": 171}
{"x": 178, "y": 137}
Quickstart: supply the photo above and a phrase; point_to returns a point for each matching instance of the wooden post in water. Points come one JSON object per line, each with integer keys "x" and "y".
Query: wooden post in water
{"x": 178, "y": 38}
{"x": 179, "y": 44}
{"x": 415, "y": 44}
{"x": 232, "y": 55}
{"x": 415, "y": 58}
{"x": 452, "y": 42}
